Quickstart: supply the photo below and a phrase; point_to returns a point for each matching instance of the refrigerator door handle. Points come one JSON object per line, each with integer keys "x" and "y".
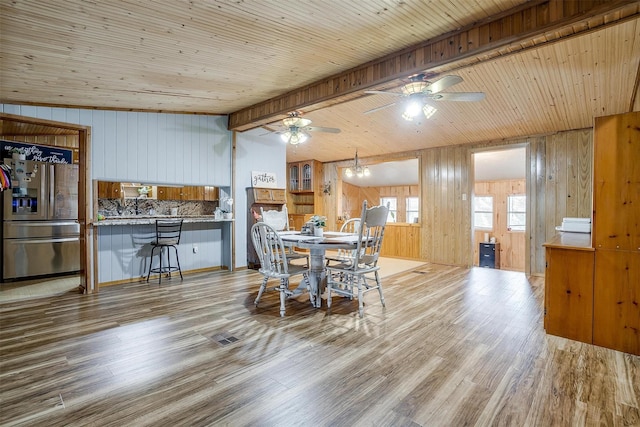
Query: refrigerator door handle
{"x": 43, "y": 223}
{"x": 39, "y": 241}
{"x": 51, "y": 184}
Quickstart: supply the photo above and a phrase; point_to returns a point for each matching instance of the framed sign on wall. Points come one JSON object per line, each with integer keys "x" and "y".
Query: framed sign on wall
{"x": 263, "y": 179}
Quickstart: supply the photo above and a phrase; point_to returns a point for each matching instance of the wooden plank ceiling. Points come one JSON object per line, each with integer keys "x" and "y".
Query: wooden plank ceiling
{"x": 224, "y": 57}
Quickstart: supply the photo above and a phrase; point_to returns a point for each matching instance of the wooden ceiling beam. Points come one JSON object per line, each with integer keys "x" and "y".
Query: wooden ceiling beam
{"x": 21, "y": 120}
{"x": 524, "y": 27}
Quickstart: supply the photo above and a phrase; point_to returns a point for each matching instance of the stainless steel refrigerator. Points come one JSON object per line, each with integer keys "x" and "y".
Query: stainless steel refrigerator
{"x": 40, "y": 229}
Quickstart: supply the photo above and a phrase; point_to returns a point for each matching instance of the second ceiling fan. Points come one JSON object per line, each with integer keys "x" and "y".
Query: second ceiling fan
{"x": 420, "y": 95}
{"x": 295, "y": 129}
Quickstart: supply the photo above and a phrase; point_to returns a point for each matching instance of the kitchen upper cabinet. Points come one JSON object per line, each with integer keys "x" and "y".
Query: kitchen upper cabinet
{"x": 192, "y": 193}
{"x": 303, "y": 177}
{"x": 304, "y": 195}
{"x": 109, "y": 190}
{"x": 181, "y": 193}
{"x": 168, "y": 193}
{"x": 211, "y": 193}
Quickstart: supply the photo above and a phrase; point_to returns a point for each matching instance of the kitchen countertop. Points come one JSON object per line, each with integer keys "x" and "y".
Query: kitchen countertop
{"x": 146, "y": 219}
{"x": 568, "y": 240}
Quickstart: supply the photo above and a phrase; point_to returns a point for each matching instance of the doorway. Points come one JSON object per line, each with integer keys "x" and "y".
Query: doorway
{"x": 395, "y": 183}
{"x": 499, "y": 208}
{"x": 68, "y": 135}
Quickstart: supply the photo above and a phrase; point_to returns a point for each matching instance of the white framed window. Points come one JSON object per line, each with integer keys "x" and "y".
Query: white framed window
{"x": 413, "y": 209}
{"x": 393, "y": 207}
{"x": 483, "y": 212}
{"x": 516, "y": 212}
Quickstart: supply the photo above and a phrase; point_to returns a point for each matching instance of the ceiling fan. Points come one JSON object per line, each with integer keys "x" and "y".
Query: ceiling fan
{"x": 420, "y": 93}
{"x": 295, "y": 129}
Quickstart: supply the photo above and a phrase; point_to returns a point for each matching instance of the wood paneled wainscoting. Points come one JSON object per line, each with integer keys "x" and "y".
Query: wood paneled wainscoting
{"x": 453, "y": 346}
{"x": 401, "y": 240}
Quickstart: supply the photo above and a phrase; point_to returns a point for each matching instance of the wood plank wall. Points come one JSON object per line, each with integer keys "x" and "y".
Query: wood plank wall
{"x": 400, "y": 239}
{"x": 353, "y": 196}
{"x": 446, "y": 217}
{"x": 446, "y": 177}
{"x": 186, "y": 149}
{"x": 569, "y": 178}
{"x": 512, "y": 251}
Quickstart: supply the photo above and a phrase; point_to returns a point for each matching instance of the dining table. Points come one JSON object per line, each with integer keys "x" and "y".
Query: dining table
{"x": 317, "y": 246}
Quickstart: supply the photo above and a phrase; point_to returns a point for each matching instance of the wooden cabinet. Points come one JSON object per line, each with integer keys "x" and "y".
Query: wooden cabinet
{"x": 211, "y": 193}
{"x": 616, "y": 310}
{"x": 568, "y": 298}
{"x": 616, "y": 229}
{"x": 267, "y": 199}
{"x": 303, "y": 177}
{"x": 268, "y": 195}
{"x": 599, "y": 288}
{"x": 616, "y": 176}
{"x": 168, "y": 193}
{"x": 109, "y": 190}
{"x": 181, "y": 193}
{"x": 190, "y": 192}
{"x": 296, "y": 221}
{"x": 304, "y": 195}
{"x": 127, "y": 190}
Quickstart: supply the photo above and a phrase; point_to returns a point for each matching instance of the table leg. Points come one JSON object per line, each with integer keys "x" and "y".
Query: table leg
{"x": 317, "y": 277}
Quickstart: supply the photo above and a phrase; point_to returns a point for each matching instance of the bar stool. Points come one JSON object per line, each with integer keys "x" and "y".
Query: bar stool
{"x": 167, "y": 236}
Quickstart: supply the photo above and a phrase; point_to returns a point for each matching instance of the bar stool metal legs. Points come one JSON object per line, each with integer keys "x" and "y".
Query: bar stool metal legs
{"x": 167, "y": 236}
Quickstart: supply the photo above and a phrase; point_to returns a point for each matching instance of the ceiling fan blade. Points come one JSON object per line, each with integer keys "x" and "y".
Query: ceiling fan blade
{"x": 382, "y": 92}
{"x": 444, "y": 83}
{"x": 373, "y": 110}
{"x": 458, "y": 96}
{"x": 270, "y": 130}
{"x": 321, "y": 129}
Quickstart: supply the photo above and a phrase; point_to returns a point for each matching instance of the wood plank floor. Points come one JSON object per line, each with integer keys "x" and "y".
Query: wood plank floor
{"x": 453, "y": 347}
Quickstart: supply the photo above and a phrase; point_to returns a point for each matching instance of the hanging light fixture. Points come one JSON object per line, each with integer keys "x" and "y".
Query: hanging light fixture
{"x": 295, "y": 135}
{"x": 357, "y": 169}
{"x": 415, "y": 105}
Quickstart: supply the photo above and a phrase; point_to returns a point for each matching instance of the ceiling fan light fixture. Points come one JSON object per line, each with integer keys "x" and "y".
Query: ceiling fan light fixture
{"x": 296, "y": 122}
{"x": 413, "y": 109}
{"x": 428, "y": 110}
{"x": 294, "y": 137}
{"x": 407, "y": 117}
{"x": 414, "y": 87}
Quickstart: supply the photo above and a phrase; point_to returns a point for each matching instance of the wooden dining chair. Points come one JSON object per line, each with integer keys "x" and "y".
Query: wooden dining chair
{"x": 273, "y": 263}
{"x": 362, "y": 271}
{"x": 345, "y": 255}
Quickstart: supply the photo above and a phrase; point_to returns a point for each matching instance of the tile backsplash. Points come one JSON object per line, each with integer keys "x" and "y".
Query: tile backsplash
{"x": 116, "y": 207}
